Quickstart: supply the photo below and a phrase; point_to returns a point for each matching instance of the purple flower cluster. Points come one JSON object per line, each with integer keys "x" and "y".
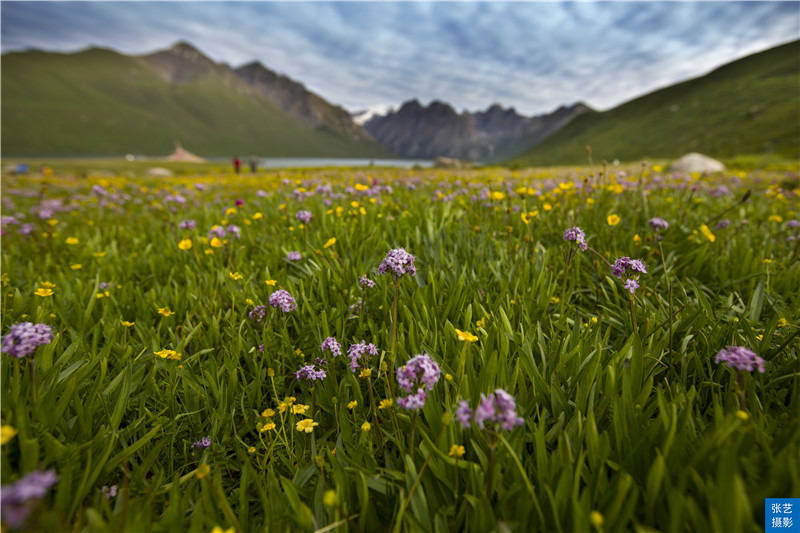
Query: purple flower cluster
{"x": 304, "y": 216}
{"x": 722, "y": 224}
{"x": 332, "y": 345}
{"x": 498, "y": 407}
{"x": 293, "y": 256}
{"x": 221, "y": 232}
{"x": 18, "y": 499}
{"x": 356, "y": 351}
{"x": 205, "y": 442}
{"x": 310, "y": 373}
{"x": 576, "y": 235}
{"x": 398, "y": 262}
{"x": 109, "y": 492}
{"x": 740, "y": 358}
{"x": 658, "y": 224}
{"x": 418, "y": 373}
{"x": 258, "y": 313}
{"x": 628, "y": 268}
{"x": 366, "y": 282}
{"x": 23, "y": 338}
{"x": 282, "y": 299}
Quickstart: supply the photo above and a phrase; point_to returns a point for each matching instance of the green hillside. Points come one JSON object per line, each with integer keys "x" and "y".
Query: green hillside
{"x": 749, "y": 106}
{"x": 99, "y": 102}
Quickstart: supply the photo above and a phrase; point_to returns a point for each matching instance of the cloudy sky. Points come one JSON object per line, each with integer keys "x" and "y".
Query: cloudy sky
{"x": 534, "y": 56}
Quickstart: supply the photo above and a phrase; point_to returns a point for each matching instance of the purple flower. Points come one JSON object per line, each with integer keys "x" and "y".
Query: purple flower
{"x": 658, "y": 223}
{"x": 366, "y": 282}
{"x": 413, "y": 401}
{"x": 293, "y": 256}
{"x": 624, "y": 264}
{"x": 497, "y": 408}
{"x": 419, "y": 370}
{"x": 740, "y": 358}
{"x": 310, "y": 373}
{"x": 722, "y": 224}
{"x": 17, "y": 500}
{"x": 216, "y": 231}
{"x": 258, "y": 313}
{"x": 304, "y": 216}
{"x": 463, "y": 413}
{"x": 576, "y": 234}
{"x": 205, "y": 442}
{"x": 320, "y": 361}
{"x": 26, "y": 229}
{"x": 23, "y": 338}
{"x": 332, "y": 345}
{"x": 398, "y": 262}
{"x": 356, "y": 351}
{"x": 793, "y": 223}
{"x": 109, "y": 492}
{"x": 631, "y": 285}
{"x": 282, "y": 299}
{"x": 234, "y": 231}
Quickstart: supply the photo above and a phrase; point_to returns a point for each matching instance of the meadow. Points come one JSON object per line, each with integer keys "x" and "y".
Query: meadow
{"x": 553, "y": 350}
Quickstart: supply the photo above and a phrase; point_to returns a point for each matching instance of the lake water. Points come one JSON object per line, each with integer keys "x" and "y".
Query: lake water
{"x": 318, "y": 162}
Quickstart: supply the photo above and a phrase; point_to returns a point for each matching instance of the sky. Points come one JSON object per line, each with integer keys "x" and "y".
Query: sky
{"x": 364, "y": 55}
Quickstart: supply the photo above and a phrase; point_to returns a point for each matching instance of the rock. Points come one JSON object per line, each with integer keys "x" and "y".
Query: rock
{"x": 695, "y": 162}
{"x": 446, "y": 162}
{"x": 159, "y": 172}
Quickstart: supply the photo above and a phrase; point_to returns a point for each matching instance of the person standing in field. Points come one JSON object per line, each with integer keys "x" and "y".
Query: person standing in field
{"x": 237, "y": 164}
{"x": 253, "y": 164}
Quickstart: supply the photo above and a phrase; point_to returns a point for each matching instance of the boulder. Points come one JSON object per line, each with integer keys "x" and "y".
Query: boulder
{"x": 159, "y": 172}
{"x": 695, "y": 162}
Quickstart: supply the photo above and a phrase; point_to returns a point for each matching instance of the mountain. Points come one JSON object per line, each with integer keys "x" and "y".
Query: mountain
{"x": 101, "y": 102}
{"x": 749, "y": 106}
{"x": 436, "y": 130}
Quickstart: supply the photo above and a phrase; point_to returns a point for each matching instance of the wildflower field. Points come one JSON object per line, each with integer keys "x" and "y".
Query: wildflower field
{"x": 555, "y": 350}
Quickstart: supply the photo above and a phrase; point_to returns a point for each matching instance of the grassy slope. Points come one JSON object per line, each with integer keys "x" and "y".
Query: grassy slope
{"x": 750, "y": 106}
{"x": 100, "y": 102}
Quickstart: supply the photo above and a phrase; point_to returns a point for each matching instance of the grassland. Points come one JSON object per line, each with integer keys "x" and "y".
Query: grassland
{"x": 749, "y": 106}
{"x": 99, "y": 102}
{"x": 628, "y": 423}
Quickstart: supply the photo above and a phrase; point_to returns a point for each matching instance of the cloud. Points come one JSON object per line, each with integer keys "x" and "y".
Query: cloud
{"x": 534, "y": 56}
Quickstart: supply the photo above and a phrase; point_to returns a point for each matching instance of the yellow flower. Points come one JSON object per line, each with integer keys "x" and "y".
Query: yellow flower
{"x": 202, "y": 471}
{"x": 235, "y": 276}
{"x": 330, "y": 242}
{"x": 126, "y": 323}
{"x": 594, "y": 320}
{"x": 270, "y": 372}
{"x": 554, "y": 299}
{"x": 365, "y": 373}
{"x": 637, "y": 239}
{"x": 466, "y": 336}
{"x": 268, "y": 413}
{"x": 48, "y": 285}
{"x": 185, "y": 244}
{"x": 775, "y": 218}
{"x": 269, "y": 426}
{"x": 760, "y": 336}
{"x": 248, "y": 301}
{"x": 613, "y": 220}
{"x": 298, "y": 351}
{"x": 43, "y": 292}
{"x": 209, "y": 251}
{"x": 707, "y": 233}
{"x": 525, "y": 218}
{"x": 596, "y": 519}
{"x": 497, "y": 195}
{"x": 766, "y": 261}
{"x": 330, "y": 499}
{"x": 366, "y": 426}
{"x": 481, "y": 323}
{"x": 71, "y": 240}
{"x": 257, "y": 216}
{"x": 7, "y": 433}
{"x": 216, "y": 243}
{"x": 656, "y": 168}
{"x": 76, "y": 266}
{"x": 230, "y": 211}
{"x": 352, "y": 405}
{"x": 101, "y": 294}
{"x": 742, "y": 415}
{"x": 169, "y": 354}
{"x": 547, "y": 207}
{"x": 271, "y": 282}
{"x": 361, "y": 187}
{"x": 306, "y": 425}
{"x": 448, "y": 376}
{"x": 164, "y": 311}
{"x": 782, "y": 322}
{"x": 456, "y": 450}
{"x": 52, "y": 221}
{"x": 101, "y": 253}
{"x": 388, "y": 402}
{"x": 251, "y": 450}
{"x": 300, "y": 409}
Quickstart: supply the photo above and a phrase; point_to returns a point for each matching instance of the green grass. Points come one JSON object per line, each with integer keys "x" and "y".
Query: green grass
{"x": 99, "y": 102}
{"x": 749, "y": 106}
{"x": 626, "y": 415}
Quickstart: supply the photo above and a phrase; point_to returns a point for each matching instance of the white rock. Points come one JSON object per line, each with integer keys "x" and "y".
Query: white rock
{"x": 695, "y": 162}
{"x": 159, "y": 172}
